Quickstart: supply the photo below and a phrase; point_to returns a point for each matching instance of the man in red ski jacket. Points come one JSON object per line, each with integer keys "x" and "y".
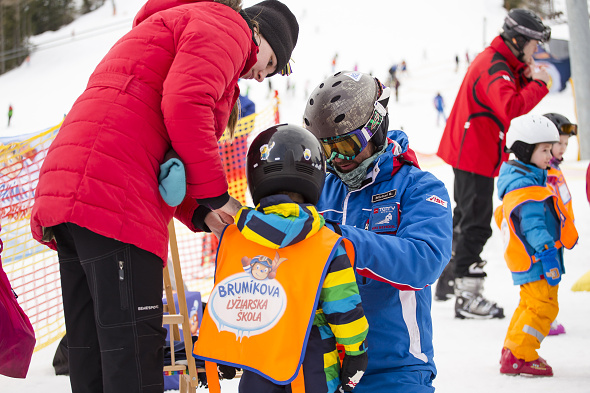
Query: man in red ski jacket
{"x": 501, "y": 83}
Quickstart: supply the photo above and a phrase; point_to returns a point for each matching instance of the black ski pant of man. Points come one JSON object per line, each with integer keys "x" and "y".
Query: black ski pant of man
{"x": 472, "y": 217}
{"x": 112, "y": 299}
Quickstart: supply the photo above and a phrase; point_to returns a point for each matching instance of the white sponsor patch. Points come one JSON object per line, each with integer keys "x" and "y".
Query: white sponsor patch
{"x": 437, "y": 200}
{"x": 356, "y": 76}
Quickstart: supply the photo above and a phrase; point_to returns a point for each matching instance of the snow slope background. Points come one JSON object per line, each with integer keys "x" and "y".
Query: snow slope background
{"x": 371, "y": 35}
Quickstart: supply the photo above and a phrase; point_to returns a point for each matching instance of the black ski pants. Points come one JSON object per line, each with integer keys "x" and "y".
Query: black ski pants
{"x": 112, "y": 299}
{"x": 471, "y": 221}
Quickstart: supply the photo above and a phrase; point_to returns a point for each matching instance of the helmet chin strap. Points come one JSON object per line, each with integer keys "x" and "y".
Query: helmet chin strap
{"x": 520, "y": 50}
{"x": 380, "y": 136}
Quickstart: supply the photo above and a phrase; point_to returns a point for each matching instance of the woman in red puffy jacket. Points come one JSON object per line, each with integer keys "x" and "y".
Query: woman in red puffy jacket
{"x": 171, "y": 82}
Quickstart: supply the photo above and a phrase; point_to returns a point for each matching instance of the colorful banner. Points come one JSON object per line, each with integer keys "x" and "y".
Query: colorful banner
{"x": 33, "y": 269}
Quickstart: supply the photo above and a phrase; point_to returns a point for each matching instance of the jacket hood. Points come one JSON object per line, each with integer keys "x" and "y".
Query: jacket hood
{"x": 397, "y": 154}
{"x": 154, "y": 6}
{"x": 515, "y": 174}
{"x": 278, "y": 222}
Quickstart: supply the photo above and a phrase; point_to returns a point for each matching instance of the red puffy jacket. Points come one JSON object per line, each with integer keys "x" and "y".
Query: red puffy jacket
{"x": 170, "y": 82}
{"x": 494, "y": 91}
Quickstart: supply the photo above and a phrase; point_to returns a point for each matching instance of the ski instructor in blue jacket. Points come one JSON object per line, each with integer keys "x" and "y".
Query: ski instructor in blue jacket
{"x": 397, "y": 216}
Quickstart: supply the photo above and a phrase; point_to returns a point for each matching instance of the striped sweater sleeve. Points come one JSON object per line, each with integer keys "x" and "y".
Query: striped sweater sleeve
{"x": 341, "y": 304}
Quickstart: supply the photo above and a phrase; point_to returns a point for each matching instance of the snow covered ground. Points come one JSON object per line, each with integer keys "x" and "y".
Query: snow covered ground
{"x": 371, "y": 35}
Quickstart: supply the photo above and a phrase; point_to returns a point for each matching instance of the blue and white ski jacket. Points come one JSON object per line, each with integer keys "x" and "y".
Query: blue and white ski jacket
{"x": 400, "y": 223}
{"x": 537, "y": 222}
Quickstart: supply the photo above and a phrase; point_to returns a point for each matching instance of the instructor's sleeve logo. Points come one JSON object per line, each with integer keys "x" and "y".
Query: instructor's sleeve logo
{"x": 437, "y": 200}
{"x": 249, "y": 303}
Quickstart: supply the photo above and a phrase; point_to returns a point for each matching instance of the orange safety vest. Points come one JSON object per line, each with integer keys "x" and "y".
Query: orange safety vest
{"x": 556, "y": 181}
{"x": 263, "y": 324}
{"x": 515, "y": 253}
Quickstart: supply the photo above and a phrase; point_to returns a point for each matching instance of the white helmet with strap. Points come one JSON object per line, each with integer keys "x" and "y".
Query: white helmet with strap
{"x": 528, "y": 130}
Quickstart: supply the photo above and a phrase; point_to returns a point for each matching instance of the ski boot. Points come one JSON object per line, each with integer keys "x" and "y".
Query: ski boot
{"x": 445, "y": 286}
{"x": 512, "y": 366}
{"x": 556, "y": 329}
{"x": 470, "y": 303}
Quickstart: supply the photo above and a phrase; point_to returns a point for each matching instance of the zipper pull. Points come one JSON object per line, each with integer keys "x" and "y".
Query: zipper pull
{"x": 121, "y": 271}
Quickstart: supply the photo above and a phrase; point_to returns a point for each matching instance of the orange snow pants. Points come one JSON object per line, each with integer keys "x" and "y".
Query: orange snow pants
{"x": 532, "y": 319}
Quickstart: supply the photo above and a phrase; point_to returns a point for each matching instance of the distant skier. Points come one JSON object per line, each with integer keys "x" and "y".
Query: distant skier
{"x": 404, "y": 67}
{"x": 439, "y": 104}
{"x": 9, "y": 114}
{"x": 334, "y": 60}
{"x": 392, "y": 72}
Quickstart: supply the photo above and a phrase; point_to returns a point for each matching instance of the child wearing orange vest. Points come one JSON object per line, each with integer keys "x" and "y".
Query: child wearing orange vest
{"x": 535, "y": 226}
{"x": 285, "y": 292}
{"x": 556, "y": 180}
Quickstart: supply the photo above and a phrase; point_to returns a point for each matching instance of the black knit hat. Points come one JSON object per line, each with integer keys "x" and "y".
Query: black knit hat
{"x": 279, "y": 27}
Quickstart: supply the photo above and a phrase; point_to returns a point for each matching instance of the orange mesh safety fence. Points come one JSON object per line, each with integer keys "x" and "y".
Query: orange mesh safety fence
{"x": 33, "y": 269}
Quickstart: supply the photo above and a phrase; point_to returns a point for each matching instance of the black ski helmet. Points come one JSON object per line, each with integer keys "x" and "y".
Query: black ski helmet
{"x": 344, "y": 102}
{"x": 521, "y": 26}
{"x": 564, "y": 126}
{"x": 285, "y": 157}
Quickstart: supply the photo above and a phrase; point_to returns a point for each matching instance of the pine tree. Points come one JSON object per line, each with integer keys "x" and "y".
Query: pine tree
{"x": 50, "y": 14}
{"x": 14, "y": 33}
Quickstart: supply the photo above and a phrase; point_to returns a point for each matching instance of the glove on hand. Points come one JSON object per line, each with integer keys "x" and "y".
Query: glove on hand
{"x": 550, "y": 263}
{"x": 225, "y": 371}
{"x": 353, "y": 368}
{"x": 172, "y": 181}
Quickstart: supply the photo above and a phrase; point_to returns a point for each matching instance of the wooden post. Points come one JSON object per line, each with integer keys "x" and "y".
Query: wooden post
{"x": 183, "y": 309}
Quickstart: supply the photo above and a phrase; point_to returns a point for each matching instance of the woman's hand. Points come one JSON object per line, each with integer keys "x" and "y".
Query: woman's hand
{"x": 215, "y": 223}
{"x": 229, "y": 210}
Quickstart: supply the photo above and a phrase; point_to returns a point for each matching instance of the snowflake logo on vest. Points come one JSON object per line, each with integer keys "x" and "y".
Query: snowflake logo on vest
{"x": 249, "y": 303}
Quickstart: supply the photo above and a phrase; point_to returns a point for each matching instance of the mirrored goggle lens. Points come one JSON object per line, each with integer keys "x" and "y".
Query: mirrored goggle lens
{"x": 569, "y": 129}
{"x": 345, "y": 147}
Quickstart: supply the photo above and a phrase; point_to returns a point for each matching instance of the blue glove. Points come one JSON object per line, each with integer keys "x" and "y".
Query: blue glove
{"x": 550, "y": 263}
{"x": 172, "y": 181}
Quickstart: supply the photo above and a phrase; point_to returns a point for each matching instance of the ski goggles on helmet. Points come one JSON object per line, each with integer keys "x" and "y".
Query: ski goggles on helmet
{"x": 542, "y": 36}
{"x": 348, "y": 146}
{"x": 568, "y": 129}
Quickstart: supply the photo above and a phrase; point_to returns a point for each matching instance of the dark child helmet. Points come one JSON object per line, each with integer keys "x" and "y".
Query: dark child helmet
{"x": 285, "y": 157}
{"x": 564, "y": 126}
